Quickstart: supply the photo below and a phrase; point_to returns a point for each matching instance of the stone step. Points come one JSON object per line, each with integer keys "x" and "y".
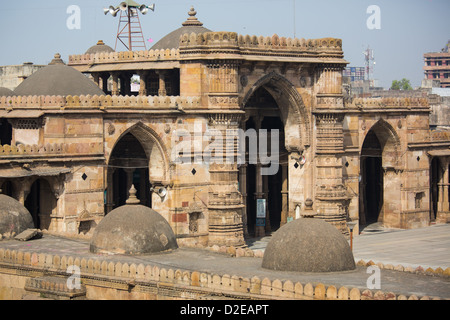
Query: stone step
{"x": 54, "y": 287}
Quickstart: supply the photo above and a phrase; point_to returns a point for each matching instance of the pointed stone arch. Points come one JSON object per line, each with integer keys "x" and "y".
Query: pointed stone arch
{"x": 380, "y": 183}
{"x": 390, "y": 144}
{"x": 293, "y": 111}
{"x": 41, "y": 201}
{"x": 139, "y": 157}
{"x": 154, "y": 148}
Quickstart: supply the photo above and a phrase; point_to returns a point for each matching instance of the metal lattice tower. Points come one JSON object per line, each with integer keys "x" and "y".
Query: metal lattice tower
{"x": 129, "y": 31}
{"x": 369, "y": 62}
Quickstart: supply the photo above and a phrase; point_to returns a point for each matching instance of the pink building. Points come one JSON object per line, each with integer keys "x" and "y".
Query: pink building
{"x": 437, "y": 66}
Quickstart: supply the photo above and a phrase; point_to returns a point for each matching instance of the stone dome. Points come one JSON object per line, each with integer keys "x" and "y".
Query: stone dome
{"x": 14, "y": 217}
{"x": 133, "y": 229}
{"x": 308, "y": 245}
{"x": 172, "y": 40}
{"x": 57, "y": 79}
{"x": 99, "y": 47}
{"x": 5, "y": 92}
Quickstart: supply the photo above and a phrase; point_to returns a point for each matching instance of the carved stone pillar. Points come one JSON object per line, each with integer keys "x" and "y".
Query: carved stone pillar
{"x": 110, "y": 190}
{"x": 115, "y": 84}
{"x": 19, "y": 190}
{"x": 225, "y": 201}
{"x": 104, "y": 86}
{"x": 162, "y": 83}
{"x": 331, "y": 193}
{"x": 243, "y": 190}
{"x": 443, "y": 187}
{"x": 143, "y": 83}
{"x": 96, "y": 78}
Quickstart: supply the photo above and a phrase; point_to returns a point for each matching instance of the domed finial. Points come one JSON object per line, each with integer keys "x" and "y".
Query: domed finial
{"x": 192, "y": 20}
{"x": 57, "y": 60}
{"x": 132, "y": 199}
{"x": 100, "y": 43}
{"x": 192, "y": 12}
{"x": 309, "y": 211}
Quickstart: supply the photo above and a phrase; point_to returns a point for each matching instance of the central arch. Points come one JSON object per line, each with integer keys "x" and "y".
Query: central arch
{"x": 292, "y": 109}
{"x": 272, "y": 102}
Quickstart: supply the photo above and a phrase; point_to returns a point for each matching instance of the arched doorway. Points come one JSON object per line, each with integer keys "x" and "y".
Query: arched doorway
{"x": 380, "y": 184}
{"x": 41, "y": 203}
{"x": 263, "y": 113}
{"x": 274, "y": 103}
{"x": 128, "y": 165}
{"x": 371, "y": 179}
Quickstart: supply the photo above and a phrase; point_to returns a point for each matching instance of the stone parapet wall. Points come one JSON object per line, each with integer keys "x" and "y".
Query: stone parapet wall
{"x": 440, "y": 135}
{"x": 100, "y": 102}
{"x": 230, "y": 45}
{"x": 124, "y": 56}
{"x": 419, "y": 270}
{"x": 260, "y": 42}
{"x": 51, "y": 149}
{"x": 116, "y": 280}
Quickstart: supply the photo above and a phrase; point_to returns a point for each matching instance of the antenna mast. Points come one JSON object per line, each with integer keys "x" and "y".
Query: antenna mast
{"x": 370, "y": 62}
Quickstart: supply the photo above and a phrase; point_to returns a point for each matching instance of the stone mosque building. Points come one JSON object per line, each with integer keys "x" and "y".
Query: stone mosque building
{"x": 72, "y": 146}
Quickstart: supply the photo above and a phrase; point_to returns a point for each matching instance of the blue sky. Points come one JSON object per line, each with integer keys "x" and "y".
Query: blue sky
{"x": 34, "y": 30}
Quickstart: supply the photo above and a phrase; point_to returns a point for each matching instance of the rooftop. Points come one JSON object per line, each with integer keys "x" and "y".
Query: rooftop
{"x": 57, "y": 79}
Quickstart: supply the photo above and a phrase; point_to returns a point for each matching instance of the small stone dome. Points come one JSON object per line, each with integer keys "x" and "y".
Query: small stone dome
{"x": 99, "y": 47}
{"x": 57, "y": 79}
{"x": 5, "y": 92}
{"x": 172, "y": 40}
{"x": 14, "y": 217}
{"x": 133, "y": 229}
{"x": 308, "y": 245}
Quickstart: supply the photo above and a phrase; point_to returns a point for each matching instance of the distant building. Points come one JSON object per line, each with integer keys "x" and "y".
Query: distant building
{"x": 359, "y": 86}
{"x": 437, "y": 66}
{"x": 12, "y": 76}
{"x": 354, "y": 73}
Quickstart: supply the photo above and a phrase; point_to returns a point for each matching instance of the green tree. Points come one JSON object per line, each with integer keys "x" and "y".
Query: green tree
{"x": 403, "y": 84}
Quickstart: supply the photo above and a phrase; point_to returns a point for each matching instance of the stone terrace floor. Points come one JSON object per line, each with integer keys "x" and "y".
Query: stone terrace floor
{"x": 427, "y": 247}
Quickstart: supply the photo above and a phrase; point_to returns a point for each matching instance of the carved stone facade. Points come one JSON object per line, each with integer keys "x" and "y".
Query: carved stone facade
{"x": 366, "y": 160}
